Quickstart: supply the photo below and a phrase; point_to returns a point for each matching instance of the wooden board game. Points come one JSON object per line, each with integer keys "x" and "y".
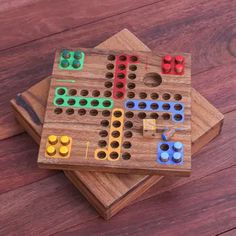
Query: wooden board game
{"x": 118, "y": 111}
{"x": 100, "y": 189}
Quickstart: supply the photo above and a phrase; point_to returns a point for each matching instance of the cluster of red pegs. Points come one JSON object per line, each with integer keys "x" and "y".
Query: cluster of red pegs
{"x": 173, "y": 65}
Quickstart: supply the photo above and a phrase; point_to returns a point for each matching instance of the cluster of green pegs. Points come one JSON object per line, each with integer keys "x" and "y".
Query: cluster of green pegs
{"x": 71, "y": 60}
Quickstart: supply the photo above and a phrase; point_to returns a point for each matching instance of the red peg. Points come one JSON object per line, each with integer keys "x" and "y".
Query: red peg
{"x": 166, "y": 68}
{"x": 179, "y": 59}
{"x": 179, "y": 68}
{"x": 167, "y": 59}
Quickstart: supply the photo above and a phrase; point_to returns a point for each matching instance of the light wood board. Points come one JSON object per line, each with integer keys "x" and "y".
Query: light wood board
{"x": 106, "y": 132}
{"x": 109, "y": 193}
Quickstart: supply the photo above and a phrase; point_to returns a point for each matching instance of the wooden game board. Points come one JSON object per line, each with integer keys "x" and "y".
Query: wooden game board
{"x": 108, "y": 111}
{"x": 109, "y": 193}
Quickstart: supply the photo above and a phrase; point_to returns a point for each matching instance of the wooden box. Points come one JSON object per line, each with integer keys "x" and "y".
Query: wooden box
{"x": 109, "y": 193}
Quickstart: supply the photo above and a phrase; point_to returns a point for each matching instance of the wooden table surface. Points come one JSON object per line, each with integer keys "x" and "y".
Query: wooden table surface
{"x": 41, "y": 202}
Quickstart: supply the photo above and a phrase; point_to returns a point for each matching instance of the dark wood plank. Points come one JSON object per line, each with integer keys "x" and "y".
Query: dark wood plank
{"x": 42, "y": 208}
{"x": 213, "y": 57}
{"x": 187, "y": 210}
{"x": 43, "y": 18}
{"x": 18, "y": 163}
{"x": 228, "y": 232}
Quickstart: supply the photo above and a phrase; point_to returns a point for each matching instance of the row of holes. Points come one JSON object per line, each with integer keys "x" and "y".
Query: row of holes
{"x": 114, "y": 144}
{"x": 121, "y": 67}
{"x": 155, "y": 96}
{"x": 120, "y": 85}
{"x": 110, "y": 75}
{"x": 84, "y": 92}
{"x": 81, "y": 112}
{"x": 83, "y": 102}
{"x": 154, "y": 106}
{"x": 106, "y": 113}
{"x": 114, "y": 155}
{"x": 132, "y": 58}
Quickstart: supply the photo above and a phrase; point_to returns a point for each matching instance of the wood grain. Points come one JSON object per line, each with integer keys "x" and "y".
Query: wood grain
{"x": 95, "y": 186}
{"x": 47, "y": 18}
{"x": 87, "y": 129}
{"x": 204, "y": 28}
{"x": 211, "y": 54}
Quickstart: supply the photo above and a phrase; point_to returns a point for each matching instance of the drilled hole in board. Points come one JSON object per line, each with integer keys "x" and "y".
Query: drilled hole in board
{"x": 104, "y": 123}
{"x": 114, "y": 144}
{"x": 129, "y": 114}
{"x": 59, "y": 101}
{"x": 58, "y": 110}
{"x": 126, "y": 156}
{"x": 122, "y": 58}
{"x": 164, "y": 147}
{"x": 102, "y": 143}
{"x": 117, "y": 114}
{"x": 108, "y": 84}
{"x": 178, "y": 107}
{"x": 81, "y": 112}
{"x": 166, "y": 96}
{"x": 142, "y": 105}
{"x": 122, "y": 67}
{"x": 131, "y": 95}
{"x": 71, "y": 102}
{"x": 154, "y": 115}
{"x": 110, "y": 66}
{"x": 177, "y": 97}
{"x": 107, "y": 93}
{"x": 142, "y": 95}
{"x": 178, "y": 117}
{"x": 128, "y": 124}
{"x": 61, "y": 91}
{"x": 83, "y": 102}
{"x": 103, "y": 133}
{"x": 114, "y": 155}
{"x": 128, "y": 134}
{"x": 120, "y": 85}
{"x": 106, "y": 113}
{"x": 165, "y": 106}
{"x": 106, "y": 103}
{"x": 132, "y": 76}
{"x": 94, "y": 103}
{"x": 133, "y": 67}
{"x": 95, "y": 93}
{"x": 84, "y": 92}
{"x": 154, "y": 96}
{"x": 101, "y": 155}
{"x": 131, "y": 85}
{"x": 166, "y": 116}
{"x": 133, "y": 58}
{"x": 115, "y": 134}
{"x": 142, "y": 115}
{"x": 111, "y": 57}
{"x": 93, "y": 112}
{"x": 119, "y": 94}
{"x": 127, "y": 144}
{"x": 154, "y": 106}
{"x": 116, "y": 124}
{"x": 109, "y": 75}
{"x": 130, "y": 104}
{"x": 70, "y": 111}
{"x": 152, "y": 79}
{"x": 121, "y": 75}
{"x": 72, "y": 92}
